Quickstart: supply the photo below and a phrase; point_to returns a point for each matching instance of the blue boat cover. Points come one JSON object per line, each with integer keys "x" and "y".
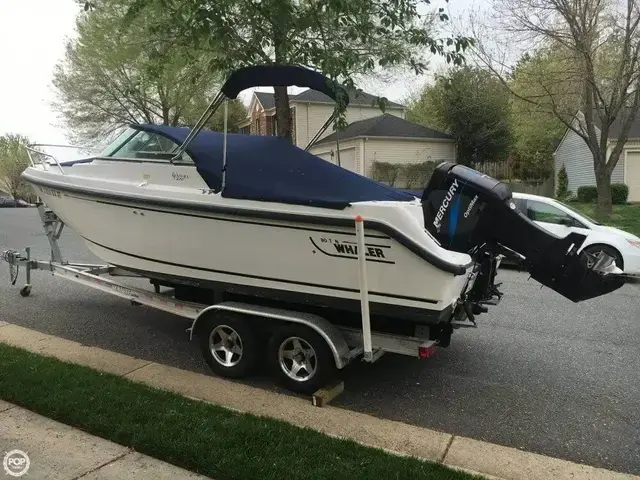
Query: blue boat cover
{"x": 271, "y": 169}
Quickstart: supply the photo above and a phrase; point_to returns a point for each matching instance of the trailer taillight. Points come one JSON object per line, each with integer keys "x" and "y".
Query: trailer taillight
{"x": 426, "y": 351}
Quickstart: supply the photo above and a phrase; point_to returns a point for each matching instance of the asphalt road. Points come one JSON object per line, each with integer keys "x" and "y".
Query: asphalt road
{"x": 540, "y": 373}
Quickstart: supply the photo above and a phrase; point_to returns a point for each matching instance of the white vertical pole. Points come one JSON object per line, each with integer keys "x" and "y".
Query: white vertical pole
{"x": 224, "y": 147}
{"x": 364, "y": 290}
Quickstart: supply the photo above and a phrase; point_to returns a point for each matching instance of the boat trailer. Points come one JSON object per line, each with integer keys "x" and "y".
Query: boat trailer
{"x": 224, "y": 327}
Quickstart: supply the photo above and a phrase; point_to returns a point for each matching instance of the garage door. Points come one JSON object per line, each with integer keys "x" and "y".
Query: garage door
{"x": 347, "y": 158}
{"x": 325, "y": 156}
{"x": 632, "y": 175}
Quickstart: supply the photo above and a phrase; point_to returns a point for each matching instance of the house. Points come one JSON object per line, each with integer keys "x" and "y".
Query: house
{"x": 574, "y": 154}
{"x": 309, "y": 109}
{"x": 370, "y": 136}
{"x": 385, "y": 138}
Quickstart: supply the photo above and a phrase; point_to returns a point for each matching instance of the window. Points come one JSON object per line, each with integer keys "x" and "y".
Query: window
{"x": 521, "y": 204}
{"x": 118, "y": 142}
{"x": 580, "y": 215}
{"x": 542, "y": 212}
{"x": 144, "y": 146}
{"x": 273, "y": 128}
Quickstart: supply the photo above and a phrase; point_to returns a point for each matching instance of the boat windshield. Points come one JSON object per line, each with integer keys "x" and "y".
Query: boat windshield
{"x": 141, "y": 145}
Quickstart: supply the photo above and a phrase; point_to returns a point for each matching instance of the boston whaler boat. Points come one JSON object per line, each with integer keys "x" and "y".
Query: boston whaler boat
{"x": 261, "y": 241}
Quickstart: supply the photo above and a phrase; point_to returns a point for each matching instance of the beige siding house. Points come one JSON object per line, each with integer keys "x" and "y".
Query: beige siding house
{"x": 313, "y": 108}
{"x": 385, "y": 138}
{"x": 371, "y": 136}
{"x": 574, "y": 154}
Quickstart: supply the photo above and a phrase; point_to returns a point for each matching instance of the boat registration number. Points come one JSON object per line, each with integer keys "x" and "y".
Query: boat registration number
{"x": 51, "y": 191}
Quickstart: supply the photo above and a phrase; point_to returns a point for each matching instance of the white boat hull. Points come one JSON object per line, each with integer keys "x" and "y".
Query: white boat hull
{"x": 310, "y": 260}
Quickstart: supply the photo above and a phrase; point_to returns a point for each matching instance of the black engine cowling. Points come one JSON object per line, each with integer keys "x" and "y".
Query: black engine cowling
{"x": 469, "y": 212}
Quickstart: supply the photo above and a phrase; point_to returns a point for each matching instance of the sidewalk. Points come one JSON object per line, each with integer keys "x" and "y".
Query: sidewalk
{"x": 59, "y": 452}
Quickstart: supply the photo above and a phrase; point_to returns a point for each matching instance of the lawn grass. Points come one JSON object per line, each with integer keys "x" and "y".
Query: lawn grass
{"x": 625, "y": 217}
{"x": 197, "y": 436}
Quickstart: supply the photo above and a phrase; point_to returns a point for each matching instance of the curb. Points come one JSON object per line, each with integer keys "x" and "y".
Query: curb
{"x": 466, "y": 454}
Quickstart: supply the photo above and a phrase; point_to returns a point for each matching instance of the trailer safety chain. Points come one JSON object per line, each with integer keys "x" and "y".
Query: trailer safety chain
{"x": 12, "y": 257}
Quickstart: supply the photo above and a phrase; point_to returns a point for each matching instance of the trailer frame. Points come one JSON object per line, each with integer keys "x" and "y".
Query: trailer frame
{"x": 345, "y": 343}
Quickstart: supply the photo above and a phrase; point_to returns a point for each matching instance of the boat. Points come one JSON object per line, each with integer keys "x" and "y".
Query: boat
{"x": 220, "y": 215}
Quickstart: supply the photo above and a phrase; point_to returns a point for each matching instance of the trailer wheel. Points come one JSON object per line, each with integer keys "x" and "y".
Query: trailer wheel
{"x": 228, "y": 344}
{"x": 300, "y": 359}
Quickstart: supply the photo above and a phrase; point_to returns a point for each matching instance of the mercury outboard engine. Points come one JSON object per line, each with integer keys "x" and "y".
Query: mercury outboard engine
{"x": 469, "y": 212}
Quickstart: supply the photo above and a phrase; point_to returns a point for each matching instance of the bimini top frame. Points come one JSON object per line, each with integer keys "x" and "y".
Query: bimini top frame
{"x": 268, "y": 76}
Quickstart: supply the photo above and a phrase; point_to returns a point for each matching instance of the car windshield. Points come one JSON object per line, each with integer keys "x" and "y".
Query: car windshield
{"x": 580, "y": 214}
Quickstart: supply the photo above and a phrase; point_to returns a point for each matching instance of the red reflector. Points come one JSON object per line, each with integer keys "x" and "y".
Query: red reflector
{"x": 426, "y": 352}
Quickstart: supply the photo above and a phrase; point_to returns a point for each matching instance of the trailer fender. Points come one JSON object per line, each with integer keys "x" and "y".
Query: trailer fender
{"x": 331, "y": 334}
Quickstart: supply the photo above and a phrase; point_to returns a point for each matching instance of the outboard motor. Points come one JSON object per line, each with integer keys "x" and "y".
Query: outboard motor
{"x": 469, "y": 212}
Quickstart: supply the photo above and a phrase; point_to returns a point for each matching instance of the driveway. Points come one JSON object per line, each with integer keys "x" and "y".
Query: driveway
{"x": 539, "y": 373}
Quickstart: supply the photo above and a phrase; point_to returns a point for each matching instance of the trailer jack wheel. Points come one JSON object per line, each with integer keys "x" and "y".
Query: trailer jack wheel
{"x": 300, "y": 359}
{"x": 25, "y": 291}
{"x": 229, "y": 345}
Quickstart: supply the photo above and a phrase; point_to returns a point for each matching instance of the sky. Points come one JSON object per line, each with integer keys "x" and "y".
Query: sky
{"x": 32, "y": 40}
{"x": 33, "y": 34}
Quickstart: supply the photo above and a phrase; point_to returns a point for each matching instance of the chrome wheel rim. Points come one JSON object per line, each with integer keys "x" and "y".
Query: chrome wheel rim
{"x": 591, "y": 259}
{"x": 225, "y": 345}
{"x": 297, "y": 359}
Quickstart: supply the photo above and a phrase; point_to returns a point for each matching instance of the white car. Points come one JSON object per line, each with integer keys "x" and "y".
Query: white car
{"x": 561, "y": 220}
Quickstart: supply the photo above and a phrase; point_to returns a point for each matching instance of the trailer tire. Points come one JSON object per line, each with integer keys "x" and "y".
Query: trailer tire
{"x": 300, "y": 359}
{"x": 238, "y": 349}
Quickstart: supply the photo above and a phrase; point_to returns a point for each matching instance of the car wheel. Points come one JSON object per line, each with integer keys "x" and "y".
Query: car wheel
{"x": 590, "y": 253}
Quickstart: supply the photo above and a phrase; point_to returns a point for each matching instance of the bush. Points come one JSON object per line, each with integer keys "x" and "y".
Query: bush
{"x": 563, "y": 183}
{"x": 619, "y": 193}
{"x": 385, "y": 172}
{"x": 587, "y": 194}
{"x": 416, "y": 175}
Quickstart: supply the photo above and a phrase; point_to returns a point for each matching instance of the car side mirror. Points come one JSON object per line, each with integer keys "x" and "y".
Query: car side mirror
{"x": 568, "y": 222}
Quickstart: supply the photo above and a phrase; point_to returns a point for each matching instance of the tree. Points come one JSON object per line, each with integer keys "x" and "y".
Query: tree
{"x": 472, "y": 106}
{"x": 342, "y": 39}
{"x": 597, "y": 47}
{"x": 112, "y": 76}
{"x": 563, "y": 184}
{"x": 536, "y": 131}
{"x": 13, "y": 160}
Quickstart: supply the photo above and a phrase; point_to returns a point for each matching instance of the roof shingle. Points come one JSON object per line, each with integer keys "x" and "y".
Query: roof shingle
{"x": 386, "y": 125}
{"x": 355, "y": 98}
{"x": 266, "y": 99}
{"x": 616, "y": 127}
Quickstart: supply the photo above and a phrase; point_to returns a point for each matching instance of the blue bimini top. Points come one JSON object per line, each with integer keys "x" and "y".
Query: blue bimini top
{"x": 271, "y": 169}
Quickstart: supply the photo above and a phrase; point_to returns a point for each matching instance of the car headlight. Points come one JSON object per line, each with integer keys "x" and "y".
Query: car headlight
{"x": 634, "y": 243}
